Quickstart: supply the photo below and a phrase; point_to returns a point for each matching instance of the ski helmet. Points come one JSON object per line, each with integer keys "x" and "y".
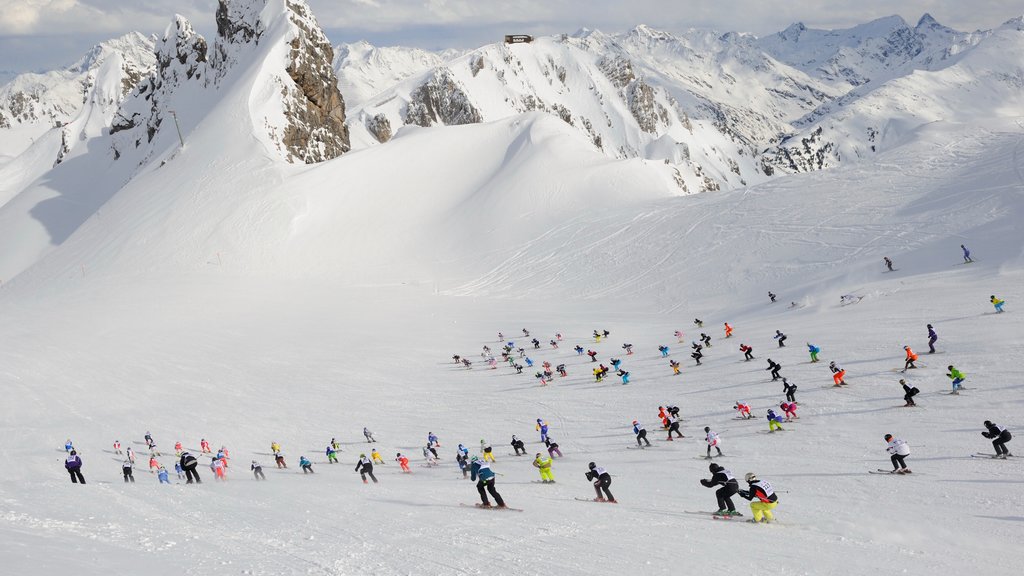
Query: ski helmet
{"x": 707, "y": 429}
{"x": 987, "y": 423}
{"x": 74, "y": 453}
{"x": 473, "y": 459}
{"x": 750, "y": 477}
{"x": 592, "y": 465}
{"x": 929, "y": 325}
{"x": 950, "y": 367}
{"x": 362, "y": 455}
{"x": 634, "y": 422}
{"x": 888, "y": 436}
{"x": 714, "y": 467}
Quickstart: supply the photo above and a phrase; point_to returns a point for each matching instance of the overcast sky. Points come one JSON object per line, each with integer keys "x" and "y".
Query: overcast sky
{"x": 46, "y": 34}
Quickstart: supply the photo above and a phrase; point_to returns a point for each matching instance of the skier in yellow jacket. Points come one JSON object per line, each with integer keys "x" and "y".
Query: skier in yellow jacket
{"x": 543, "y": 463}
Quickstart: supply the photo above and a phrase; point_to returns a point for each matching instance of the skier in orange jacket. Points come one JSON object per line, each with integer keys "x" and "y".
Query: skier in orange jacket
{"x": 911, "y": 358}
{"x": 403, "y": 462}
{"x": 728, "y": 330}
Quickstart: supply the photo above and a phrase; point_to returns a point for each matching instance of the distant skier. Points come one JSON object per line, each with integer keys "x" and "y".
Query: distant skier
{"x": 664, "y": 351}
{"x": 526, "y": 333}
{"x": 728, "y": 330}
{"x": 888, "y": 263}
{"x": 332, "y": 455}
{"x": 910, "y": 359}
{"x": 553, "y": 344}
{"x": 279, "y": 460}
{"x": 628, "y": 348}
{"x": 789, "y": 390}
{"x": 748, "y": 352}
{"x": 189, "y": 464}
{"x": 552, "y": 447}
{"x": 675, "y": 367}
{"x": 743, "y": 410}
{"x": 908, "y": 394}
{"x": 129, "y": 452}
{"x": 73, "y": 464}
{"x": 127, "y": 471}
{"x": 69, "y": 446}
{"x": 673, "y": 426}
{"x": 257, "y": 470}
{"x": 932, "y": 337}
{"x": 790, "y": 410}
{"x": 429, "y": 456}
{"x": 774, "y": 368}
{"x": 957, "y": 377}
{"x": 713, "y": 441}
{"x": 641, "y": 434}
{"x": 365, "y": 468}
{"x": 536, "y": 344}
{"x": 179, "y": 470}
{"x": 463, "y": 463}
{"x": 771, "y": 296}
{"x": 724, "y": 478}
{"x": 543, "y": 465}
{"x": 616, "y": 363}
{"x": 486, "y": 450}
{"x": 463, "y": 449}
{"x": 368, "y": 435}
{"x": 306, "y": 465}
{"x": 624, "y": 375}
{"x": 697, "y": 354}
{"x": 485, "y": 484}
{"x": 967, "y": 254}
{"x": 705, "y": 339}
{"x": 999, "y": 436}
{"x": 403, "y": 461}
{"x": 162, "y": 475}
{"x": 219, "y": 468}
{"x": 814, "y": 351}
{"x": 579, "y": 350}
{"x": 766, "y": 499}
{"x": 518, "y": 445}
{"x": 838, "y": 374}
{"x": 117, "y": 447}
{"x": 602, "y": 481}
{"x": 561, "y": 370}
{"x": 593, "y": 355}
{"x": 376, "y": 457}
{"x": 898, "y": 450}
{"x": 774, "y": 421}
{"x": 781, "y": 338}
{"x": 432, "y": 440}
{"x": 597, "y": 336}
{"x": 679, "y": 336}
{"x": 698, "y": 322}
{"x": 997, "y": 303}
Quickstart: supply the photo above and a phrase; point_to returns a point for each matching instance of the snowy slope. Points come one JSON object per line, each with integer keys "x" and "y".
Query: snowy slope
{"x": 365, "y": 70}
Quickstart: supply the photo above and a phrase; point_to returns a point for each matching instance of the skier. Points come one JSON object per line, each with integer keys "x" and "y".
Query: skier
{"x": 641, "y": 434}
{"x": 605, "y": 333}
{"x": 130, "y": 453}
{"x": 526, "y": 333}
{"x": 898, "y": 450}
{"x": 368, "y": 435}
{"x": 433, "y": 441}
{"x": 376, "y": 457}
{"x": 771, "y": 296}
{"x": 467, "y": 363}
{"x": 73, "y": 464}
{"x": 781, "y": 338}
{"x": 673, "y": 411}
{"x": 743, "y": 409}
{"x": 561, "y": 370}
{"x": 544, "y": 466}
{"x": 602, "y": 480}
{"x": 697, "y": 355}
{"x": 126, "y": 470}
{"x": 275, "y": 447}
{"x": 179, "y": 470}
{"x": 664, "y": 351}
{"x": 748, "y": 352}
{"x": 593, "y": 355}
{"x": 463, "y": 463}
{"x": 911, "y": 358}
{"x": 837, "y": 374}
{"x": 161, "y": 475}
{"x": 616, "y": 363}
{"x": 336, "y": 445}
{"x": 967, "y": 254}
{"x": 957, "y": 377}
{"x": 279, "y": 460}
{"x": 774, "y": 368}
{"x": 705, "y": 339}
{"x": 542, "y": 427}
{"x": 724, "y": 478}
{"x": 728, "y": 330}
{"x": 501, "y": 337}
{"x": 598, "y": 374}
{"x": 932, "y": 337}
{"x": 814, "y": 351}
{"x": 486, "y": 450}
{"x": 149, "y": 439}
{"x": 790, "y": 390}
{"x": 332, "y": 455}
{"x": 153, "y": 464}
{"x": 117, "y": 447}
{"x": 485, "y": 484}
{"x": 218, "y": 466}
{"x": 553, "y": 343}
{"x": 518, "y": 445}
{"x": 888, "y": 263}
{"x": 774, "y": 421}
{"x": 552, "y": 447}
{"x": 457, "y": 358}
{"x": 679, "y": 336}
{"x": 189, "y": 464}
{"x": 673, "y": 426}
{"x": 403, "y": 462}
{"x": 999, "y": 436}
{"x": 628, "y": 348}
{"x": 597, "y": 336}
{"x": 579, "y": 350}
{"x": 790, "y": 409}
{"x": 429, "y": 456}
{"x": 365, "y": 468}
{"x": 713, "y": 441}
{"x": 767, "y": 500}
{"x": 519, "y": 368}
{"x": 675, "y": 367}
{"x": 908, "y": 393}
{"x": 257, "y": 470}
{"x": 997, "y": 303}
{"x": 698, "y": 322}
{"x": 68, "y": 446}
{"x": 464, "y": 450}
{"x": 558, "y": 336}
{"x": 536, "y": 344}
{"x": 306, "y": 465}
{"x": 177, "y": 448}
{"x": 624, "y": 375}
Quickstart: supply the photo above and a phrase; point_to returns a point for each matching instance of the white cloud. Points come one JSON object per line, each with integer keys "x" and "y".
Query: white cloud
{"x": 22, "y": 16}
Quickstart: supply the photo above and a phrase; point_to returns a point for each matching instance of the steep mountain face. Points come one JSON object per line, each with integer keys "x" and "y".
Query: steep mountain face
{"x": 978, "y": 85}
{"x": 365, "y": 70}
{"x": 294, "y": 97}
{"x": 92, "y": 88}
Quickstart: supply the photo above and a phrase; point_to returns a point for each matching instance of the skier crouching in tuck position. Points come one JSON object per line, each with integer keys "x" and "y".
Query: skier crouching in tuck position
{"x": 602, "y": 480}
{"x": 1000, "y": 436}
{"x": 908, "y": 393}
{"x": 767, "y": 500}
{"x": 724, "y": 478}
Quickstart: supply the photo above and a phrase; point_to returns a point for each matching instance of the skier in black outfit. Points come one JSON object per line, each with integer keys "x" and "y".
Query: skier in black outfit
{"x": 729, "y": 487}
{"x": 536, "y": 343}
{"x": 774, "y": 368}
{"x": 698, "y": 322}
{"x": 772, "y": 296}
{"x": 602, "y": 480}
{"x": 790, "y": 390}
{"x": 641, "y": 433}
{"x": 781, "y": 338}
{"x": 908, "y": 393}
{"x": 365, "y": 468}
{"x": 697, "y": 355}
{"x": 518, "y": 445}
{"x": 257, "y": 470}
{"x": 705, "y": 339}
{"x": 189, "y": 464}
{"x": 888, "y": 263}
{"x": 1000, "y": 436}
{"x": 126, "y": 470}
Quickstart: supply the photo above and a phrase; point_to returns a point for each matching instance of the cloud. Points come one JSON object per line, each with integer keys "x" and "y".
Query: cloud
{"x": 22, "y": 16}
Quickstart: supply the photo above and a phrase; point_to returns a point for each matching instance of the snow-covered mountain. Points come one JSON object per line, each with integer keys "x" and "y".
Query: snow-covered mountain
{"x": 365, "y": 70}
{"x": 86, "y": 92}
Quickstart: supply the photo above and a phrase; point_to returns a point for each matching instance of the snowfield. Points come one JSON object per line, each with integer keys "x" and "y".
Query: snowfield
{"x": 217, "y": 292}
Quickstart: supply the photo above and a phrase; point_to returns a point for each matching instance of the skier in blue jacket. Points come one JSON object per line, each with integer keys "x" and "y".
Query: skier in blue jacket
{"x": 482, "y": 473}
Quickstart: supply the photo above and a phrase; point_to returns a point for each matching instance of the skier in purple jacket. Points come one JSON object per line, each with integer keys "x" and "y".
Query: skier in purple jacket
{"x": 73, "y": 464}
